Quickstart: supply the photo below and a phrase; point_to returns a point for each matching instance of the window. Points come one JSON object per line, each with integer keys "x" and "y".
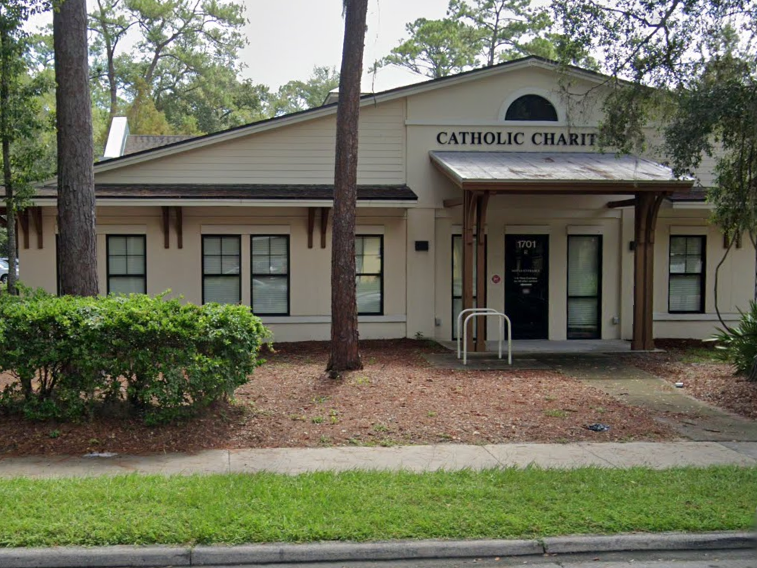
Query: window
{"x": 687, "y": 274}
{"x": 127, "y": 270}
{"x": 531, "y": 107}
{"x": 370, "y": 274}
{"x": 221, "y": 274}
{"x": 270, "y": 275}
{"x": 584, "y": 286}
{"x": 457, "y": 281}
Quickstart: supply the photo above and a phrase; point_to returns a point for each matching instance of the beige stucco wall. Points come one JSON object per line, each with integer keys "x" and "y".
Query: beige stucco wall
{"x": 179, "y": 270}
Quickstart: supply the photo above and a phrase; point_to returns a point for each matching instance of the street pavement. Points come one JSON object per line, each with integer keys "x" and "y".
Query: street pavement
{"x": 684, "y": 559}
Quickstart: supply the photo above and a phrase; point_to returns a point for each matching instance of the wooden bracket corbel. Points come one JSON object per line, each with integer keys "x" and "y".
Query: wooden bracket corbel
{"x": 311, "y": 226}
{"x": 23, "y": 219}
{"x": 622, "y": 203}
{"x": 166, "y": 227}
{"x": 37, "y": 216}
{"x": 324, "y": 225}
{"x": 179, "y": 212}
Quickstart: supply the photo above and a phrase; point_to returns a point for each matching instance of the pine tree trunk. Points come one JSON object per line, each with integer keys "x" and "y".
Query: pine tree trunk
{"x": 76, "y": 191}
{"x": 345, "y": 355}
{"x": 10, "y": 206}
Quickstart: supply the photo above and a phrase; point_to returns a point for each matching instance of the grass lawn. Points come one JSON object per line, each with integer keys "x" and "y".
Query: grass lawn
{"x": 362, "y": 506}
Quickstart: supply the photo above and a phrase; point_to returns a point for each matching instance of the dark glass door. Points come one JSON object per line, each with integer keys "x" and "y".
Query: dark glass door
{"x": 527, "y": 285}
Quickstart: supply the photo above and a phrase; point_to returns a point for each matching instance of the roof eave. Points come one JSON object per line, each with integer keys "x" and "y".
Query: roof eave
{"x": 321, "y": 112}
{"x": 231, "y": 202}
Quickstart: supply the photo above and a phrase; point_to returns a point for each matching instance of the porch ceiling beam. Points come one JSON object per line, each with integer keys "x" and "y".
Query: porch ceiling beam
{"x": 575, "y": 187}
{"x": 622, "y": 203}
{"x": 179, "y": 212}
{"x": 324, "y": 225}
{"x": 311, "y": 226}
{"x": 166, "y": 226}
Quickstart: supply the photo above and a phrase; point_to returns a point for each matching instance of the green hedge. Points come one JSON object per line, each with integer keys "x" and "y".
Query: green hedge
{"x": 69, "y": 356}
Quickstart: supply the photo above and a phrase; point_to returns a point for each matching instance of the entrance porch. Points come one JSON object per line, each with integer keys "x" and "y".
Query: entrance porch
{"x": 482, "y": 175}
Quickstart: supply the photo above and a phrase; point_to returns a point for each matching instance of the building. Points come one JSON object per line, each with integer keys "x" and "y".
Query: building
{"x": 500, "y": 162}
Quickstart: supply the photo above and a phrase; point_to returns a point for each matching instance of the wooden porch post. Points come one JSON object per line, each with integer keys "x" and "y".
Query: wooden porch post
{"x": 469, "y": 211}
{"x": 482, "y": 201}
{"x": 646, "y": 208}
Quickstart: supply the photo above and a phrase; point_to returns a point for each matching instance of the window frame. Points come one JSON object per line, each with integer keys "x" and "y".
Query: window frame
{"x": 702, "y": 274}
{"x": 202, "y": 263}
{"x": 287, "y": 275}
{"x": 568, "y": 296}
{"x": 380, "y": 274}
{"x": 108, "y": 275}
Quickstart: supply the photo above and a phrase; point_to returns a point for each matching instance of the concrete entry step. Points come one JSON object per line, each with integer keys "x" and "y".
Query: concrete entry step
{"x": 544, "y": 346}
{"x": 484, "y": 362}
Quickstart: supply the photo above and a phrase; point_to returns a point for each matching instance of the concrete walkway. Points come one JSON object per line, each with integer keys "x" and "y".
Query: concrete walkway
{"x": 691, "y": 418}
{"x": 412, "y": 458}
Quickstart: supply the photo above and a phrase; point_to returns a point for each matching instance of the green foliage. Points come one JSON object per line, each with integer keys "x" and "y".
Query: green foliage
{"x": 167, "y": 359}
{"x": 437, "y": 48}
{"x": 738, "y": 345}
{"x": 507, "y": 29}
{"x": 180, "y": 73}
{"x": 477, "y": 33}
{"x": 298, "y": 95}
{"x": 25, "y": 123}
{"x": 690, "y": 66}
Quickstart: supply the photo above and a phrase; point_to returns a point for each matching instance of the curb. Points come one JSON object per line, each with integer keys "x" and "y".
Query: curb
{"x": 161, "y": 556}
{"x": 100, "y": 557}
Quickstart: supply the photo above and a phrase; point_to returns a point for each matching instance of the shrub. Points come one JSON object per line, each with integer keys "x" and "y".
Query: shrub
{"x": 164, "y": 358}
{"x": 738, "y": 345}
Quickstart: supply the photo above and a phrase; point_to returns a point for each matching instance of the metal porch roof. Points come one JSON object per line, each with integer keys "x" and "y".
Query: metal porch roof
{"x": 502, "y": 170}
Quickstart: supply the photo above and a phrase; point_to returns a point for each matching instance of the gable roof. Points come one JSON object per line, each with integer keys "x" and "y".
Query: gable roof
{"x": 330, "y": 109}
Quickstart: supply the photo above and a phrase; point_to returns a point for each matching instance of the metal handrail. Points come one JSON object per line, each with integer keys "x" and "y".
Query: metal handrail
{"x": 460, "y": 319}
{"x": 503, "y": 318}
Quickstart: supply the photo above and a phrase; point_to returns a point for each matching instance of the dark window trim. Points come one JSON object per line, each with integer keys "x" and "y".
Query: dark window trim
{"x": 600, "y": 268}
{"x": 380, "y": 275}
{"x": 202, "y": 263}
{"x": 287, "y": 275}
{"x": 108, "y": 275}
{"x": 702, "y": 275}
{"x": 452, "y": 281}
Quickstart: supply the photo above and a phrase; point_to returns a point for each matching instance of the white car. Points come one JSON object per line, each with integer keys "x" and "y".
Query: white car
{"x": 4, "y": 270}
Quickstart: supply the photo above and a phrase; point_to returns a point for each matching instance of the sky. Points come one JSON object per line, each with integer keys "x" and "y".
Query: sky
{"x": 288, "y": 38}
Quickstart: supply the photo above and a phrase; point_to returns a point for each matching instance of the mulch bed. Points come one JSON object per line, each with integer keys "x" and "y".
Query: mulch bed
{"x": 710, "y": 381}
{"x": 397, "y": 399}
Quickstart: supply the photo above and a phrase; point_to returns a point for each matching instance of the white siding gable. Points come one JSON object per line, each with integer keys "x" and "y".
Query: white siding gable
{"x": 295, "y": 154}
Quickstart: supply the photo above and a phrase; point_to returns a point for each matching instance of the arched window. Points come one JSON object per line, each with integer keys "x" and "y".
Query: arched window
{"x": 531, "y": 107}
